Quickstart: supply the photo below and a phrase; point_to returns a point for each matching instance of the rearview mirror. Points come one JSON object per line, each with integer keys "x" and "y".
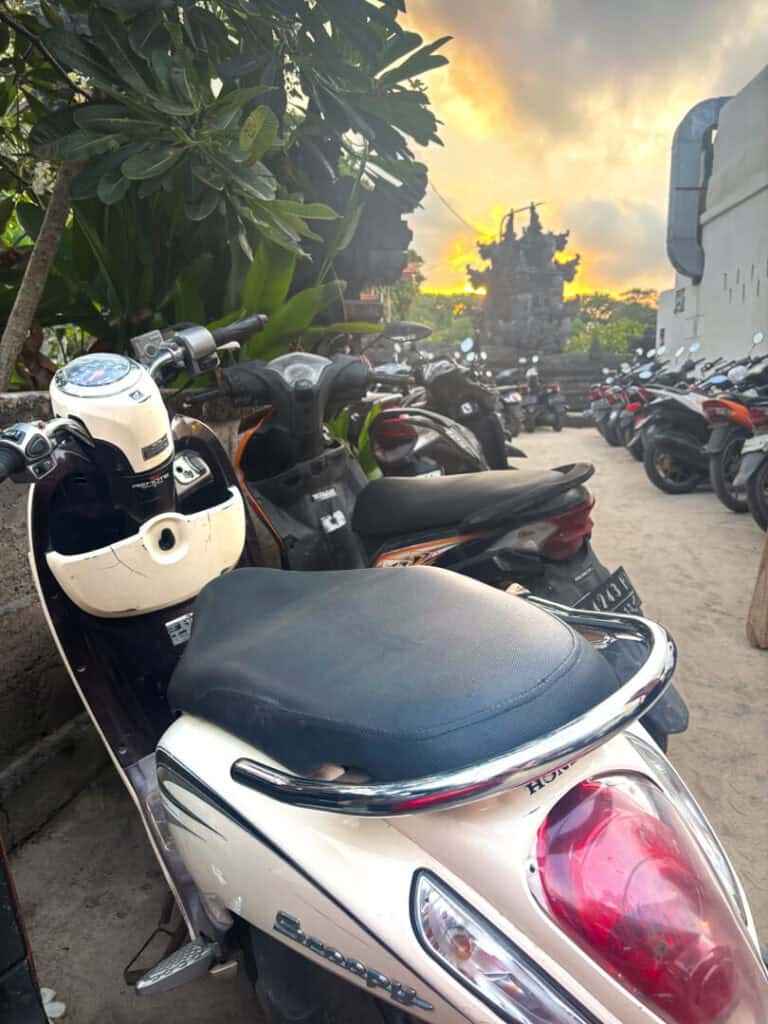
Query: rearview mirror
{"x": 467, "y": 345}
{"x": 638, "y": 351}
{"x": 661, "y": 350}
{"x": 645, "y": 375}
{"x": 758, "y": 338}
{"x": 471, "y": 357}
{"x": 737, "y": 373}
{"x": 522, "y": 360}
{"x": 650, "y": 353}
{"x": 483, "y": 356}
{"x": 535, "y": 359}
{"x": 609, "y": 380}
{"x": 625, "y": 367}
{"x": 694, "y": 346}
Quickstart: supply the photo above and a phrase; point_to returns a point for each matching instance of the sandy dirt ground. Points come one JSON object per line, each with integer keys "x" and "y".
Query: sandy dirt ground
{"x": 88, "y": 883}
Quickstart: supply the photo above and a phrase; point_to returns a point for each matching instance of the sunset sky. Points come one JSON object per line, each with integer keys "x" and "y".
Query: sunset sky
{"x": 572, "y": 103}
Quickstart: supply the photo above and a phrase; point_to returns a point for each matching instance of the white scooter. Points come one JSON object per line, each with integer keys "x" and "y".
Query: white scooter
{"x": 398, "y": 792}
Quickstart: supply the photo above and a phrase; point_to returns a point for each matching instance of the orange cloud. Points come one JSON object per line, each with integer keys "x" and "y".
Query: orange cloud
{"x": 572, "y": 103}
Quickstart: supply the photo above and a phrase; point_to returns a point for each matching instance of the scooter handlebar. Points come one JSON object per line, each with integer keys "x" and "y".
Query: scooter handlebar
{"x": 240, "y": 330}
{"x": 392, "y": 380}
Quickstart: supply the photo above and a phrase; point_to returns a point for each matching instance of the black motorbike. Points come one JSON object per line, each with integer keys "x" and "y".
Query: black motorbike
{"x": 542, "y": 403}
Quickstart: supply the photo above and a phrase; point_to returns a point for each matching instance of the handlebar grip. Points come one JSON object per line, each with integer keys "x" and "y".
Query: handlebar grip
{"x": 240, "y": 330}
{"x": 393, "y": 380}
{"x": 11, "y": 461}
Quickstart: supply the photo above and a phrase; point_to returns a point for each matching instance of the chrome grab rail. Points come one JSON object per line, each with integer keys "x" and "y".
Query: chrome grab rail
{"x": 506, "y": 771}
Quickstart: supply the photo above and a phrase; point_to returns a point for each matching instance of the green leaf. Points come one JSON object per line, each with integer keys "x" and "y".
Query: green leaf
{"x": 131, "y": 7}
{"x": 113, "y": 118}
{"x": 224, "y": 109}
{"x": 210, "y": 176}
{"x": 45, "y": 137}
{"x": 80, "y": 145}
{"x": 144, "y": 31}
{"x": 268, "y": 278}
{"x": 111, "y": 37}
{"x": 30, "y": 216}
{"x": 344, "y": 327}
{"x": 112, "y": 187}
{"x": 418, "y": 63}
{"x": 398, "y": 45}
{"x": 293, "y": 317}
{"x": 258, "y": 132}
{"x": 80, "y": 56}
{"x": 149, "y": 163}
{"x": 256, "y": 181}
{"x": 6, "y": 209}
{"x": 307, "y": 211}
{"x": 187, "y": 304}
{"x": 202, "y": 207}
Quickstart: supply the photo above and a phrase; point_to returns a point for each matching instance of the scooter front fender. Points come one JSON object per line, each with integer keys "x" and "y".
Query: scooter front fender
{"x": 721, "y": 435}
{"x": 749, "y": 465}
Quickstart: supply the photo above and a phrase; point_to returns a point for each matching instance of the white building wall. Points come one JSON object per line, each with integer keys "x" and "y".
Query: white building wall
{"x": 731, "y": 302}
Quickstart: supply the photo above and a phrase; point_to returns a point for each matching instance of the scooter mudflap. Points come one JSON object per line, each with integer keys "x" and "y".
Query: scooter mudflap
{"x": 189, "y": 962}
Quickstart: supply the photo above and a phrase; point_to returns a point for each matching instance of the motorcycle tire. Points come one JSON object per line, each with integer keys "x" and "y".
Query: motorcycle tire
{"x": 612, "y": 437}
{"x": 723, "y": 467}
{"x": 668, "y": 473}
{"x": 757, "y": 495}
{"x": 513, "y": 426}
{"x": 557, "y": 422}
{"x": 530, "y": 424}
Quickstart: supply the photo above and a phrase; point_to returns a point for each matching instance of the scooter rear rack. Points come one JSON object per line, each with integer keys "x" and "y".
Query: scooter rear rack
{"x": 562, "y": 746}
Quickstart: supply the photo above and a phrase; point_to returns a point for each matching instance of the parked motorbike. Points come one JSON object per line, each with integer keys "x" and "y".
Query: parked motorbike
{"x": 286, "y": 777}
{"x": 511, "y": 401}
{"x": 542, "y": 403}
{"x": 502, "y": 527}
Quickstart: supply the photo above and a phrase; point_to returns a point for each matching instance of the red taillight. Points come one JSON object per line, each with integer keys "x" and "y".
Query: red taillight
{"x": 758, "y": 416}
{"x": 392, "y": 431}
{"x": 553, "y": 387}
{"x": 633, "y": 407}
{"x": 612, "y": 399}
{"x": 622, "y": 876}
{"x": 570, "y": 529}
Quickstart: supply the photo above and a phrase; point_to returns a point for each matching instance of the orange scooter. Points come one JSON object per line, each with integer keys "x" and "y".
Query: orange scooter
{"x": 729, "y": 421}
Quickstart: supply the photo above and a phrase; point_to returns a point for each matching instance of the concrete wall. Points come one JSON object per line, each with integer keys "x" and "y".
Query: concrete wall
{"x": 35, "y": 694}
{"x": 731, "y": 302}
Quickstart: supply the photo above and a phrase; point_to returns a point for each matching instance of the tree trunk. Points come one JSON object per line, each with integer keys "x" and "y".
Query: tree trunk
{"x": 757, "y": 619}
{"x": 36, "y": 273}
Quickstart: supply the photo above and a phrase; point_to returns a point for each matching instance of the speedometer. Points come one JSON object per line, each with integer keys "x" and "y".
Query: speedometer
{"x": 93, "y": 371}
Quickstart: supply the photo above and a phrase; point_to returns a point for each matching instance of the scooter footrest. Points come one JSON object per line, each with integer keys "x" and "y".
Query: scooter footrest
{"x": 188, "y": 963}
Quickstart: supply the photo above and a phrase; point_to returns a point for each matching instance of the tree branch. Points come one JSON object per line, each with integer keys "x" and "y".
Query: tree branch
{"x": 37, "y": 41}
{"x": 36, "y": 273}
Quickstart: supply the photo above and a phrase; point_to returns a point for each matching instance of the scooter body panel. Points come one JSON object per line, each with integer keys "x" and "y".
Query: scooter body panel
{"x": 262, "y": 859}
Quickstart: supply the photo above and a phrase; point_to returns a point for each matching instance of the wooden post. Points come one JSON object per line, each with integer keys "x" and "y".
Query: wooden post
{"x": 757, "y": 619}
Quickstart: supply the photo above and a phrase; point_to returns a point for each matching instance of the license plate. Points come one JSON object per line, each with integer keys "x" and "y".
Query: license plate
{"x": 616, "y": 594}
{"x": 755, "y": 444}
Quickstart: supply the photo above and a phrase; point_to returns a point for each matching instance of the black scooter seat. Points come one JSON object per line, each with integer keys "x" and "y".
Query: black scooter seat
{"x": 397, "y": 673}
{"x": 399, "y": 504}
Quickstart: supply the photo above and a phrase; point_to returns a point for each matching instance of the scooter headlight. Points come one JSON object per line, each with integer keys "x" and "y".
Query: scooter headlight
{"x": 483, "y": 960}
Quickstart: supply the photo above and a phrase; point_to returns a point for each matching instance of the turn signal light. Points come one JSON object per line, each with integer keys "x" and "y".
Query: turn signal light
{"x": 621, "y": 874}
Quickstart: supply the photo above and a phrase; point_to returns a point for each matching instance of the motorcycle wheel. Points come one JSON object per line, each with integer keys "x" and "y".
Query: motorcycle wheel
{"x": 557, "y": 422}
{"x": 291, "y": 989}
{"x": 513, "y": 426}
{"x": 667, "y": 472}
{"x": 757, "y": 495}
{"x": 723, "y": 468}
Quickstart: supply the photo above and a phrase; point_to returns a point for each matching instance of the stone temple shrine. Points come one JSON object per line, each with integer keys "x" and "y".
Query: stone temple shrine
{"x": 524, "y": 310}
